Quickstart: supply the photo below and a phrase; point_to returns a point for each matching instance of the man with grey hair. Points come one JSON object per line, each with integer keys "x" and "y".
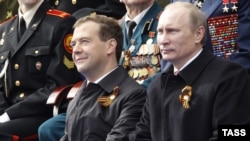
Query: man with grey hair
{"x": 199, "y": 92}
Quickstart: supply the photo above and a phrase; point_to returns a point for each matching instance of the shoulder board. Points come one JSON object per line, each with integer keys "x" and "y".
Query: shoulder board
{"x": 57, "y": 13}
{"x": 1, "y": 23}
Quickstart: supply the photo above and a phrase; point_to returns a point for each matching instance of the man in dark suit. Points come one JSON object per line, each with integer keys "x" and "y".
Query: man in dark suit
{"x": 228, "y": 28}
{"x": 32, "y": 65}
{"x": 199, "y": 92}
{"x": 53, "y": 128}
{"x": 109, "y": 104}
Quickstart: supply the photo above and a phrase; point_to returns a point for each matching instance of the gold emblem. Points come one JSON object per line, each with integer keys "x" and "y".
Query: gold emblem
{"x": 185, "y": 96}
{"x": 131, "y": 72}
{"x": 68, "y": 63}
{"x": 9, "y": 14}
{"x": 38, "y": 65}
{"x": 136, "y": 73}
{"x": 154, "y": 60}
{"x": 127, "y": 58}
{"x": 66, "y": 42}
{"x": 57, "y": 2}
{"x": 144, "y": 72}
{"x": 74, "y": 2}
{"x": 156, "y": 49}
{"x": 107, "y": 100}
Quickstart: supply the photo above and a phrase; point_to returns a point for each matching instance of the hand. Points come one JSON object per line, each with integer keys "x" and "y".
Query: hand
{"x": 4, "y": 118}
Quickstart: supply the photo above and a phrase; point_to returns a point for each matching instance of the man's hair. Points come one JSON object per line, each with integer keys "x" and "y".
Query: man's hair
{"x": 109, "y": 28}
{"x": 196, "y": 17}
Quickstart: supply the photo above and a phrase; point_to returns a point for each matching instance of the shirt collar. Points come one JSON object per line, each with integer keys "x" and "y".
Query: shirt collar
{"x": 98, "y": 80}
{"x": 189, "y": 61}
{"x": 137, "y": 18}
{"x": 29, "y": 14}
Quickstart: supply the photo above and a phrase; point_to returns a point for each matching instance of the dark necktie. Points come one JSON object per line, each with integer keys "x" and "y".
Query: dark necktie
{"x": 22, "y": 27}
{"x": 131, "y": 26}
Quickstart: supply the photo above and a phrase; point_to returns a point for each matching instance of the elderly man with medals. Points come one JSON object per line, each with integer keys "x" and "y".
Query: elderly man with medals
{"x": 141, "y": 55}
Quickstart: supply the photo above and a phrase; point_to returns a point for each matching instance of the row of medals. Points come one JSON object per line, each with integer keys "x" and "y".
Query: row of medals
{"x": 224, "y": 31}
{"x": 146, "y": 61}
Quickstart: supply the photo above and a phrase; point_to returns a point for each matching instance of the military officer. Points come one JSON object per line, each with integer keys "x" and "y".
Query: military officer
{"x": 32, "y": 65}
{"x": 141, "y": 55}
{"x": 8, "y": 8}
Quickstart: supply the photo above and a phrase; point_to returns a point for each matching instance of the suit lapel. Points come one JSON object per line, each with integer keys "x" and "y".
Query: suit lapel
{"x": 12, "y": 36}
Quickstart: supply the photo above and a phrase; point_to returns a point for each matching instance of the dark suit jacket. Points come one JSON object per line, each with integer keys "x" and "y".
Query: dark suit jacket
{"x": 88, "y": 120}
{"x": 38, "y": 63}
{"x": 220, "y": 95}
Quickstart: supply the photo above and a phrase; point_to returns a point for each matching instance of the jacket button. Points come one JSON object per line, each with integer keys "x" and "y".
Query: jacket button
{"x": 21, "y": 95}
{"x": 16, "y": 66}
{"x": 36, "y": 52}
{"x": 18, "y": 83}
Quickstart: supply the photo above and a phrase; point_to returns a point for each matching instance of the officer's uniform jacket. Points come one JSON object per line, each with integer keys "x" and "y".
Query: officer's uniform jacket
{"x": 219, "y": 95}
{"x": 143, "y": 61}
{"x": 89, "y": 117}
{"x": 32, "y": 67}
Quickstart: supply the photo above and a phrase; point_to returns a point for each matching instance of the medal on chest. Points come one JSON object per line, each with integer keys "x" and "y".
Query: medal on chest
{"x": 226, "y": 7}
{"x": 185, "y": 96}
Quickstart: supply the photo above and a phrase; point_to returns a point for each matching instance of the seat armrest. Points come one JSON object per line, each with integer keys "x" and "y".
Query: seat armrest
{"x": 57, "y": 96}
{"x": 61, "y": 94}
{"x": 73, "y": 90}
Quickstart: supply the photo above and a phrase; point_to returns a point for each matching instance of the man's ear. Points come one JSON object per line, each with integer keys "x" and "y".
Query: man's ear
{"x": 112, "y": 45}
{"x": 199, "y": 34}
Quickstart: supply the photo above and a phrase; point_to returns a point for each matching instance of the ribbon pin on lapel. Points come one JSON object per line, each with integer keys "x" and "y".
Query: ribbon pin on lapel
{"x": 107, "y": 100}
{"x": 185, "y": 95}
